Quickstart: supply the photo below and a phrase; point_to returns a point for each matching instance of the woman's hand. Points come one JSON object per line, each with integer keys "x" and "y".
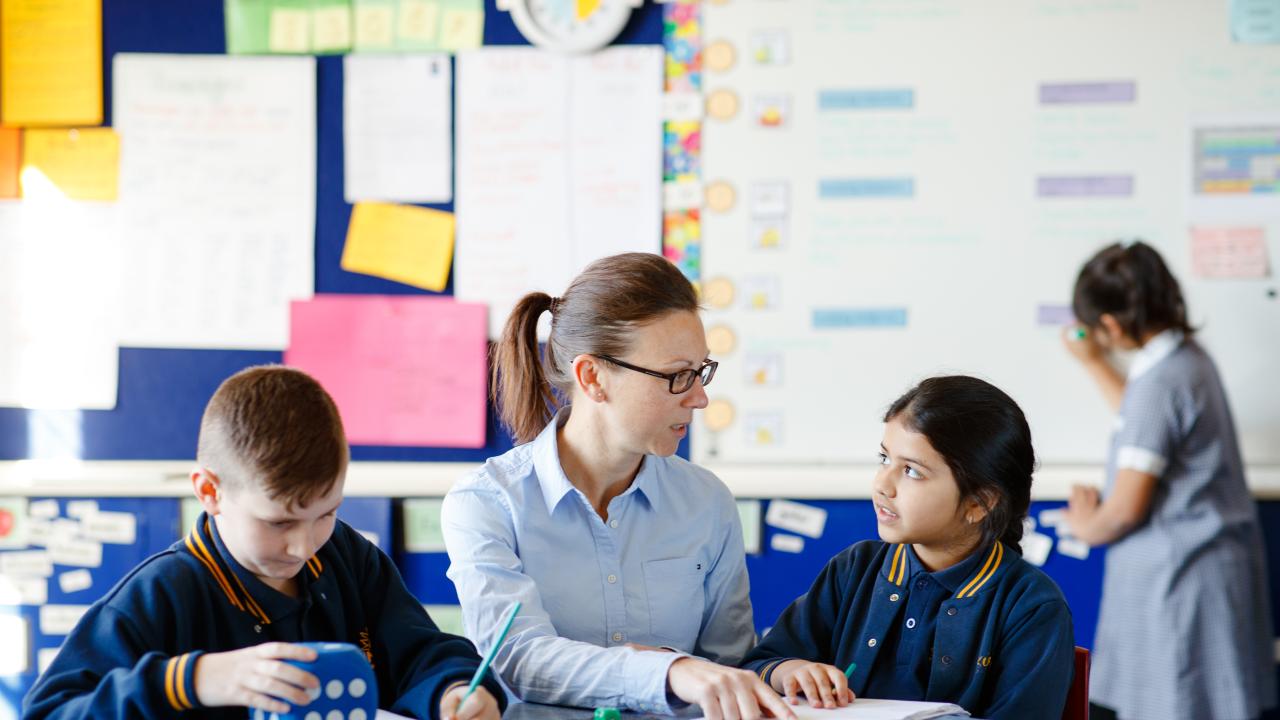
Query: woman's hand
{"x": 724, "y": 693}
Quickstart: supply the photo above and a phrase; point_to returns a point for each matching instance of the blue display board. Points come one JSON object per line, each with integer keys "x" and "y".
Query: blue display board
{"x": 163, "y": 392}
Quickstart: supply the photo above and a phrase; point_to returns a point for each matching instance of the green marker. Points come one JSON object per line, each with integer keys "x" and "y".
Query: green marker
{"x": 848, "y": 672}
{"x": 1079, "y": 333}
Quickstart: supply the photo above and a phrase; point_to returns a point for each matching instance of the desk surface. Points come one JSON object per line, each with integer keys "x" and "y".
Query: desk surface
{"x": 533, "y": 711}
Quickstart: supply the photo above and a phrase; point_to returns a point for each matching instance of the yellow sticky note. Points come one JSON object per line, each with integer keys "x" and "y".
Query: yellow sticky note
{"x": 10, "y": 161}
{"x": 50, "y": 62}
{"x": 289, "y": 31}
{"x": 331, "y": 28}
{"x": 462, "y": 29}
{"x": 81, "y": 164}
{"x": 374, "y": 27}
{"x": 418, "y": 20}
{"x": 404, "y": 243}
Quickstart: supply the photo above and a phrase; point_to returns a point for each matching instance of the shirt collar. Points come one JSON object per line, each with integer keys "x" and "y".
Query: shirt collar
{"x": 957, "y": 576}
{"x": 555, "y": 485}
{"x": 964, "y": 578}
{"x": 1156, "y": 349}
{"x": 263, "y": 600}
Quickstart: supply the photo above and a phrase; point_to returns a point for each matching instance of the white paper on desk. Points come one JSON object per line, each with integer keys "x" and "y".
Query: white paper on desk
{"x": 59, "y": 290}
{"x": 871, "y": 709}
{"x": 217, "y": 197}
{"x": 397, "y": 128}
{"x": 559, "y": 163}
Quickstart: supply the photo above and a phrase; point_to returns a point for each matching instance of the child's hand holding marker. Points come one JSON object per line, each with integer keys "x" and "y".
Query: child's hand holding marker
{"x": 1082, "y": 344}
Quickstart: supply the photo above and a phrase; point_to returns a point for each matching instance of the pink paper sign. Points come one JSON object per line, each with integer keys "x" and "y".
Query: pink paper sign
{"x": 1229, "y": 252}
{"x": 403, "y": 370}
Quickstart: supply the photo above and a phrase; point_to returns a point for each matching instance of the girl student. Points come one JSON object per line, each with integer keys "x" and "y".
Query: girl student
{"x": 629, "y": 562}
{"x": 1184, "y": 629}
{"x": 942, "y": 608}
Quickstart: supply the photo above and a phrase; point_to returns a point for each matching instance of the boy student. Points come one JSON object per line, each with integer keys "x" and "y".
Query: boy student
{"x": 205, "y": 625}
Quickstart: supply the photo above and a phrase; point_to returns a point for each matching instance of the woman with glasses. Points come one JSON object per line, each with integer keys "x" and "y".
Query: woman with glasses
{"x": 628, "y": 561}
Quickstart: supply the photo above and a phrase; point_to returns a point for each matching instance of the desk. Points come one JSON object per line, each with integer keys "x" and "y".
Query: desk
{"x": 534, "y": 711}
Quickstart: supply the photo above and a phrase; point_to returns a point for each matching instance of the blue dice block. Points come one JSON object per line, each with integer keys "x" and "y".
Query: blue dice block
{"x": 348, "y": 690}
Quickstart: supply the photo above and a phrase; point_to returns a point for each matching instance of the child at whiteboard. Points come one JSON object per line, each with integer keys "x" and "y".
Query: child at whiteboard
{"x": 1184, "y": 629}
{"x": 943, "y": 608}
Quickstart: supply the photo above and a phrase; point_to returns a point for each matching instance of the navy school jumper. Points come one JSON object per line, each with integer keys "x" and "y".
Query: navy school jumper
{"x": 1002, "y": 645}
{"x": 134, "y": 653}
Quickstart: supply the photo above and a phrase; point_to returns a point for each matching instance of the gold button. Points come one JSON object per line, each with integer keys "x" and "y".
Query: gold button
{"x": 893, "y": 597}
{"x": 871, "y": 642}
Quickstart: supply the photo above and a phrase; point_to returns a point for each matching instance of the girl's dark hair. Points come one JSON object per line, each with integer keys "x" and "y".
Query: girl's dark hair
{"x": 984, "y": 438}
{"x": 594, "y": 317}
{"x": 1132, "y": 283}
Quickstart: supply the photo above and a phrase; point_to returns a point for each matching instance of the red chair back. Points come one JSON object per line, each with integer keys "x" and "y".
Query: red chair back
{"x": 1078, "y": 696}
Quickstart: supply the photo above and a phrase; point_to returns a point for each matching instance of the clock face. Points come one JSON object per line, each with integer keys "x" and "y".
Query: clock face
{"x": 571, "y": 25}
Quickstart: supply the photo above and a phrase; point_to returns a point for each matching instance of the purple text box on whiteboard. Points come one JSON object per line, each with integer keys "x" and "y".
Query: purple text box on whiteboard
{"x": 1055, "y": 315}
{"x": 1091, "y": 92}
{"x": 1085, "y": 186}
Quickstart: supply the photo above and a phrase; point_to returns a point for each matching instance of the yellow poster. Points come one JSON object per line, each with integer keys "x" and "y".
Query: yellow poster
{"x": 404, "y": 243}
{"x": 50, "y": 62}
{"x": 81, "y": 164}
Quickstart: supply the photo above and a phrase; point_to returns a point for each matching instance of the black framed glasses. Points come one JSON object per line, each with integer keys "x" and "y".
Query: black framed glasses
{"x": 677, "y": 382}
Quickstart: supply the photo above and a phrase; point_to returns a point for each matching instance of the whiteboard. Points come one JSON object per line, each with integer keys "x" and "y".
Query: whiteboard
{"x": 915, "y": 183}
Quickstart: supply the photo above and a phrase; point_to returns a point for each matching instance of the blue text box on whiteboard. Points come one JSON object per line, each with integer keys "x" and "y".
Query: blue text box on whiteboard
{"x": 867, "y": 99}
{"x": 841, "y": 188}
{"x": 831, "y": 318}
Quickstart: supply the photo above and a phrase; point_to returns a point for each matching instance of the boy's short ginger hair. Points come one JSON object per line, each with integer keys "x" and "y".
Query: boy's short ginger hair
{"x": 275, "y": 428}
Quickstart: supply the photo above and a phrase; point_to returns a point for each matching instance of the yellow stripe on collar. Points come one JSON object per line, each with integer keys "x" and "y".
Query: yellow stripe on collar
{"x": 250, "y": 606}
{"x": 989, "y": 569}
{"x": 213, "y": 570}
{"x": 898, "y": 569}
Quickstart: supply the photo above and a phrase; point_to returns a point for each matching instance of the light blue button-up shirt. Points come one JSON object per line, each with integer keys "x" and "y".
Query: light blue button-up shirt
{"x": 667, "y": 569}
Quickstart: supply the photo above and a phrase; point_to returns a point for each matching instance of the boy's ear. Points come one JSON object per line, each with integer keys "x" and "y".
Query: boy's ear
{"x": 208, "y": 489}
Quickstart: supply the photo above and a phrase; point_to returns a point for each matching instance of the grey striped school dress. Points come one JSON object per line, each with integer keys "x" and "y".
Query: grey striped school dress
{"x": 1185, "y": 627}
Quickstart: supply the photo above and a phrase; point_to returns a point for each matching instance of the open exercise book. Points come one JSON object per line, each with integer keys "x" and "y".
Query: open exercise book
{"x": 865, "y": 709}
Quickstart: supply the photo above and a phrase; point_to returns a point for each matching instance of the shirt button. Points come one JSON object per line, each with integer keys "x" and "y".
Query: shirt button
{"x": 613, "y": 524}
{"x": 921, "y": 583}
{"x": 871, "y": 642}
{"x": 946, "y": 659}
{"x": 951, "y": 611}
{"x": 613, "y": 579}
{"x": 617, "y": 637}
{"x": 893, "y": 597}
{"x": 911, "y": 622}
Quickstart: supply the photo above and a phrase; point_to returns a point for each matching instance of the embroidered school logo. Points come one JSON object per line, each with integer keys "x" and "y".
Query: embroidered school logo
{"x": 366, "y": 646}
{"x": 984, "y": 661}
